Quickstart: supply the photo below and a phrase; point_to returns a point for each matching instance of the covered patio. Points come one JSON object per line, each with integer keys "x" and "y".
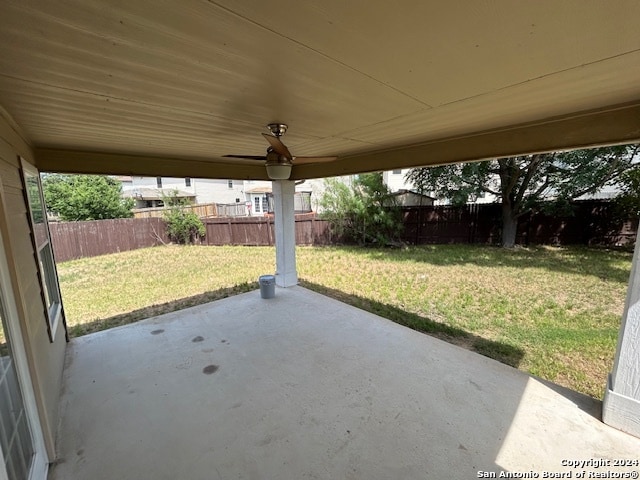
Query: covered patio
{"x": 304, "y": 386}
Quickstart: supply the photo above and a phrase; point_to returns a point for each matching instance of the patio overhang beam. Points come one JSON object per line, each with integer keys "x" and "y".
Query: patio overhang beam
{"x": 615, "y": 125}
{"x": 112, "y": 163}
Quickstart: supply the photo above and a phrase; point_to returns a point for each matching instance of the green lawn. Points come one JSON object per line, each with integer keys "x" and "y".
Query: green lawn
{"x": 553, "y": 312}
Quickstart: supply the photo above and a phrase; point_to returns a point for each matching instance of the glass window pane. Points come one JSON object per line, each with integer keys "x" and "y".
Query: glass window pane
{"x": 36, "y": 206}
{"x": 15, "y": 437}
{"x": 50, "y": 281}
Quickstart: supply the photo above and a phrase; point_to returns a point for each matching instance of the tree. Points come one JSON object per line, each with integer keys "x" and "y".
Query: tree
{"x": 85, "y": 197}
{"x": 628, "y": 201}
{"x": 182, "y": 226}
{"x": 364, "y": 213}
{"x": 528, "y": 182}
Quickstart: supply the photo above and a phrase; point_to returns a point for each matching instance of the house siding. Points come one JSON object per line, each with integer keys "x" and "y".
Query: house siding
{"x": 46, "y": 359}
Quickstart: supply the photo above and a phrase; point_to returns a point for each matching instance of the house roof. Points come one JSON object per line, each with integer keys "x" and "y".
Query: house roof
{"x": 141, "y": 88}
{"x": 123, "y": 178}
{"x": 412, "y": 192}
{"x": 259, "y": 190}
{"x": 156, "y": 193}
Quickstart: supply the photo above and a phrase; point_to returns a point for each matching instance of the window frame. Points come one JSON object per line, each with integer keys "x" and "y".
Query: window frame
{"x": 42, "y": 248}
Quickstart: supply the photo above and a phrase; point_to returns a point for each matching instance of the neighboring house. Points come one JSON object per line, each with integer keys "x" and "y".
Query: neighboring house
{"x": 259, "y": 199}
{"x": 395, "y": 180}
{"x": 154, "y": 197}
{"x": 153, "y": 189}
{"x": 409, "y": 198}
{"x": 233, "y": 197}
{"x": 126, "y": 181}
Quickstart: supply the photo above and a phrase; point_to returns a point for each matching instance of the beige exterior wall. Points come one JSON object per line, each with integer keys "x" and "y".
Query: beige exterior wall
{"x": 46, "y": 359}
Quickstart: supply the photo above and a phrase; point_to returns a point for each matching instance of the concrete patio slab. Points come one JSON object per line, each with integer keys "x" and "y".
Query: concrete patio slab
{"x": 303, "y": 386}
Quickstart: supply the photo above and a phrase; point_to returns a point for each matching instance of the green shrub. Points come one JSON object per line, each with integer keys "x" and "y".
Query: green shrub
{"x": 182, "y": 226}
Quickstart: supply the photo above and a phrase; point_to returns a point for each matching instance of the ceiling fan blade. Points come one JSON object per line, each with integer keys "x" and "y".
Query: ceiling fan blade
{"x": 277, "y": 145}
{"x": 305, "y": 160}
{"x": 247, "y": 157}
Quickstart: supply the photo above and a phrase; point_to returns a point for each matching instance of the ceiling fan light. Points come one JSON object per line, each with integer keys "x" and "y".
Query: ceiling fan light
{"x": 279, "y": 171}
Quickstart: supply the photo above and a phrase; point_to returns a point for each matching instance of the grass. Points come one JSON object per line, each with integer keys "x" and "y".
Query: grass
{"x": 553, "y": 312}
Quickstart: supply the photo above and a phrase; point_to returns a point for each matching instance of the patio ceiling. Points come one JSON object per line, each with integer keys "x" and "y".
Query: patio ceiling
{"x": 169, "y": 88}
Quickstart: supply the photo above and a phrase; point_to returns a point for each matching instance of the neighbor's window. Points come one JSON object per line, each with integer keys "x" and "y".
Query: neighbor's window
{"x": 256, "y": 202}
{"x": 42, "y": 244}
{"x": 230, "y": 183}
{"x": 397, "y": 172}
{"x": 187, "y": 182}
{"x": 159, "y": 182}
{"x": 265, "y": 208}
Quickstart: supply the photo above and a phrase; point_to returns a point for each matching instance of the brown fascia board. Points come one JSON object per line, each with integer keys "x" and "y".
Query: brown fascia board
{"x": 615, "y": 125}
{"x": 109, "y": 163}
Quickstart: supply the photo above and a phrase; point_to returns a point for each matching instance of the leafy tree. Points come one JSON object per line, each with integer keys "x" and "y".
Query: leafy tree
{"x": 524, "y": 183}
{"x": 182, "y": 226}
{"x": 364, "y": 213}
{"x": 85, "y": 197}
{"x": 628, "y": 201}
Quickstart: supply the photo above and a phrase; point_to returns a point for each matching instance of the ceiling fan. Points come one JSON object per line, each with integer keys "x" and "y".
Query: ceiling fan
{"x": 279, "y": 159}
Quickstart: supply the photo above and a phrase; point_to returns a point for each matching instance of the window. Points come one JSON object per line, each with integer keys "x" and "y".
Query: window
{"x": 42, "y": 244}
{"x": 187, "y": 182}
{"x": 159, "y": 182}
{"x": 256, "y": 204}
{"x": 265, "y": 208}
{"x": 397, "y": 172}
{"x": 230, "y": 183}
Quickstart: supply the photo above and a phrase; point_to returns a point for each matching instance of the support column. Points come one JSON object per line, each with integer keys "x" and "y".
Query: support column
{"x": 621, "y": 406}
{"x": 285, "y": 230}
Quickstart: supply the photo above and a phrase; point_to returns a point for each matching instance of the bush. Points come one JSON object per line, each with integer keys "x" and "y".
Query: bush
{"x": 364, "y": 213}
{"x": 182, "y": 226}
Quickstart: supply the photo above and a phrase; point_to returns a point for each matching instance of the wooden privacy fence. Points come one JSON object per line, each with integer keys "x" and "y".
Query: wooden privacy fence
{"x": 592, "y": 222}
{"x": 260, "y": 231}
{"x": 201, "y": 210}
{"x": 71, "y": 240}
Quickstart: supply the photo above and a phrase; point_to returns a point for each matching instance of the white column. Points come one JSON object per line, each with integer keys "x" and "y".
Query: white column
{"x": 621, "y": 406}
{"x": 285, "y": 229}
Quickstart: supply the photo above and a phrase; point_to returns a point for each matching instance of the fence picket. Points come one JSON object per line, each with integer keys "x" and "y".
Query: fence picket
{"x": 593, "y": 223}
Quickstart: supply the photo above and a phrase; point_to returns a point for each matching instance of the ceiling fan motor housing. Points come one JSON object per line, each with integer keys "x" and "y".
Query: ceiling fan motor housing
{"x": 278, "y": 166}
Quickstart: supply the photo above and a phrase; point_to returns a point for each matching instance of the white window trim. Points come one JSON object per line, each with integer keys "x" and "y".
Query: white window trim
{"x": 53, "y": 312}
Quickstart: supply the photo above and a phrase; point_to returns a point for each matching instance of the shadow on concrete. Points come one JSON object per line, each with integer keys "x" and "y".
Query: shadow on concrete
{"x": 503, "y": 352}
{"x": 304, "y": 386}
